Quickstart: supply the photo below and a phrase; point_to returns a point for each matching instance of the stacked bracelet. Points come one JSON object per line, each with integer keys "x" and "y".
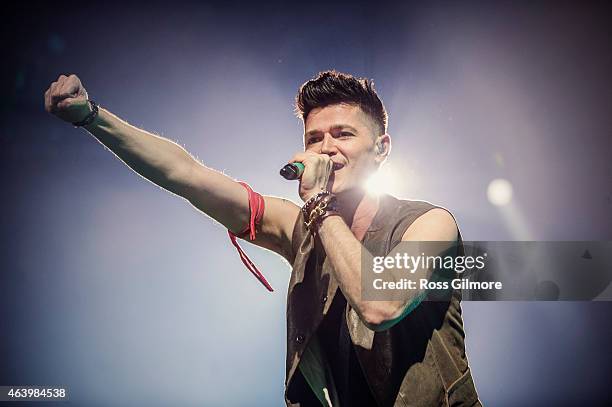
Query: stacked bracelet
{"x": 90, "y": 117}
{"x": 318, "y": 208}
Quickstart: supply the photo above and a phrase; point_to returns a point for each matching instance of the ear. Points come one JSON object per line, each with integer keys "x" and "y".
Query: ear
{"x": 382, "y": 147}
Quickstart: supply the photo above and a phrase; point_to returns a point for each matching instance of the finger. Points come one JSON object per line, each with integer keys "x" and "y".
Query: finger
{"x": 47, "y": 103}
{"x": 297, "y": 158}
{"x": 70, "y": 86}
{"x": 67, "y": 103}
{"x": 75, "y": 79}
{"x": 59, "y": 82}
{"x": 72, "y": 102}
{"x": 303, "y": 156}
{"x": 65, "y": 90}
{"x": 51, "y": 91}
{"x": 62, "y": 88}
{"x": 57, "y": 97}
{"x": 65, "y": 95}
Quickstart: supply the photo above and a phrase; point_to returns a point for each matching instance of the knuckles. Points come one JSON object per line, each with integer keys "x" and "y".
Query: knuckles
{"x": 324, "y": 160}
{"x": 309, "y": 157}
{"x": 53, "y": 100}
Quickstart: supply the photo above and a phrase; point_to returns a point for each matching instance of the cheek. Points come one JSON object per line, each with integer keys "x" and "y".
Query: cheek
{"x": 359, "y": 168}
{"x": 362, "y": 162}
{"x": 356, "y": 153}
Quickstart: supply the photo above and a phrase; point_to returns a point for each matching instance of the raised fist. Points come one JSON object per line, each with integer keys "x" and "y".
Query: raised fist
{"x": 66, "y": 98}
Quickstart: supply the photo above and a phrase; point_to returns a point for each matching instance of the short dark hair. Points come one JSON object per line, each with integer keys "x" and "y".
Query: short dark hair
{"x": 331, "y": 87}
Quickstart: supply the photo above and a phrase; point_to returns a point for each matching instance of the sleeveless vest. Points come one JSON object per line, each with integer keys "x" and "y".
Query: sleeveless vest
{"x": 420, "y": 361}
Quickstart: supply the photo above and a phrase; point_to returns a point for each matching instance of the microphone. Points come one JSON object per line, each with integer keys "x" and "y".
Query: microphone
{"x": 292, "y": 171}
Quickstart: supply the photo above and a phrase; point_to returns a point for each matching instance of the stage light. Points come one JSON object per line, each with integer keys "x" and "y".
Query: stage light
{"x": 383, "y": 181}
{"x": 499, "y": 192}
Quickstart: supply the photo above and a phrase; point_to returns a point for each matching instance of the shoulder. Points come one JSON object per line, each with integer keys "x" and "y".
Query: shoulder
{"x": 436, "y": 224}
{"x": 431, "y": 222}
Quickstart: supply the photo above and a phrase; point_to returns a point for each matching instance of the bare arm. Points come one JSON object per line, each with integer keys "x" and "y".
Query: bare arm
{"x": 168, "y": 165}
{"x": 345, "y": 253}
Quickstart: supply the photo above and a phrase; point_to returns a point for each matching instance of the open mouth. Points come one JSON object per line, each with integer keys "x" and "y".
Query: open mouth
{"x": 338, "y": 166}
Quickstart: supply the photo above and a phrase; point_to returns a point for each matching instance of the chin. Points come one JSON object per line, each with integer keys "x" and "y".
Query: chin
{"x": 343, "y": 188}
{"x": 342, "y": 184}
{"x": 336, "y": 189}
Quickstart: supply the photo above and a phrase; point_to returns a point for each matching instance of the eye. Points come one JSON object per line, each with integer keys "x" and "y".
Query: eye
{"x": 346, "y": 134}
{"x": 313, "y": 140}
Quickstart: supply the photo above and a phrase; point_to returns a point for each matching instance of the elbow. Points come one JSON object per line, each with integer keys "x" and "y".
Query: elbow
{"x": 382, "y": 315}
{"x": 379, "y": 316}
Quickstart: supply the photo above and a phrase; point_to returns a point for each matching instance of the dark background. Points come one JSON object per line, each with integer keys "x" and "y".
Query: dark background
{"x": 129, "y": 296}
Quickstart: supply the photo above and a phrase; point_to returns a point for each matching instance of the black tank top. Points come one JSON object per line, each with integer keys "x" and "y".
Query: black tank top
{"x": 352, "y": 388}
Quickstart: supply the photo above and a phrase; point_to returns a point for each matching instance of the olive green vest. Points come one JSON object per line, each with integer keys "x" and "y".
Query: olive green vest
{"x": 420, "y": 361}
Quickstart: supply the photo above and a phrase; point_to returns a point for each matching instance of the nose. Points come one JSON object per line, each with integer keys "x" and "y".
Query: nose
{"x": 328, "y": 146}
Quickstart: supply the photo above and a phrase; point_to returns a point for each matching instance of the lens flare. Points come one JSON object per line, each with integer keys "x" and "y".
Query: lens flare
{"x": 499, "y": 192}
{"x": 383, "y": 181}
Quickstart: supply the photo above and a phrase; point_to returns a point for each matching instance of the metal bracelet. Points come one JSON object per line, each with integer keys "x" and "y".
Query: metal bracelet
{"x": 324, "y": 205}
{"x": 307, "y": 208}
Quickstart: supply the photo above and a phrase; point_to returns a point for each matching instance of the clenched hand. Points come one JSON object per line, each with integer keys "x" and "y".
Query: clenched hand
{"x": 317, "y": 171}
{"x": 66, "y": 98}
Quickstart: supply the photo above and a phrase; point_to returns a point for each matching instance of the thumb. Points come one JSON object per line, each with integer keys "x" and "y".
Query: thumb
{"x": 72, "y": 102}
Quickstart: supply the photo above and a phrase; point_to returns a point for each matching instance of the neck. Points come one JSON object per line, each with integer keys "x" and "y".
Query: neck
{"x": 358, "y": 210}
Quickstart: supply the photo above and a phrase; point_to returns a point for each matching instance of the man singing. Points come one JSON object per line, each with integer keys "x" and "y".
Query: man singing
{"x": 342, "y": 350}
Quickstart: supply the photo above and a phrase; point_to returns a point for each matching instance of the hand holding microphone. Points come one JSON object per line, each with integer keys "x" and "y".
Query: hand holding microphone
{"x": 312, "y": 169}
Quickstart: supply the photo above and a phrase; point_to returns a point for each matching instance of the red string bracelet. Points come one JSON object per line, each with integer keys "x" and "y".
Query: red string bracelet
{"x": 256, "y": 209}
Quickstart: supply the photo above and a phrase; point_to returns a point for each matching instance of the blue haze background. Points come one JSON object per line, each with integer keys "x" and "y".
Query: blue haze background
{"x": 129, "y": 296}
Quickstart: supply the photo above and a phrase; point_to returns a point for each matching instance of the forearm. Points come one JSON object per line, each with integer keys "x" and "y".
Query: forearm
{"x": 157, "y": 159}
{"x": 345, "y": 253}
